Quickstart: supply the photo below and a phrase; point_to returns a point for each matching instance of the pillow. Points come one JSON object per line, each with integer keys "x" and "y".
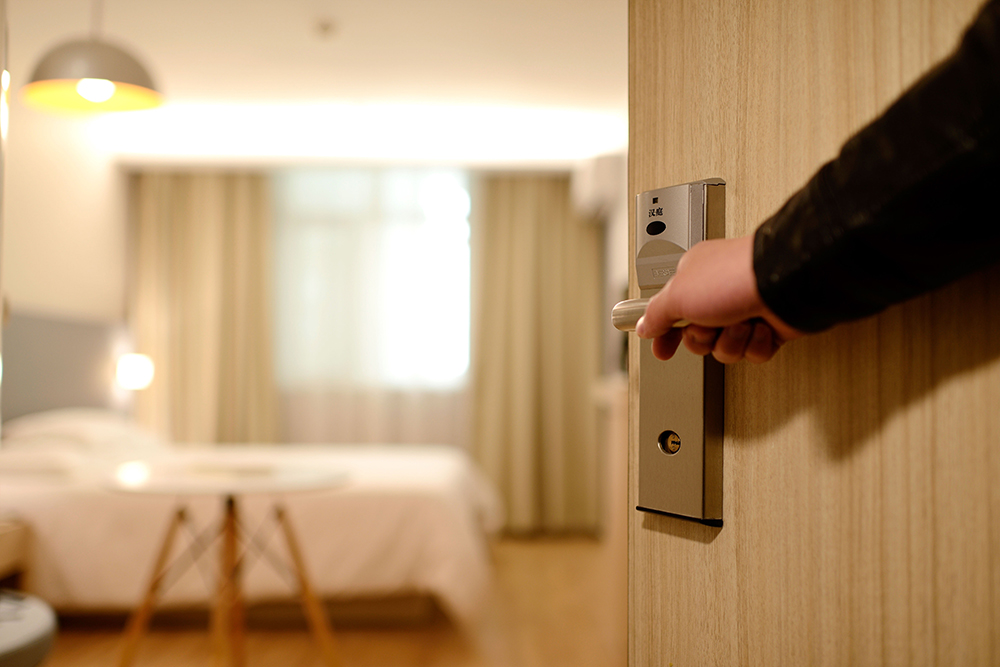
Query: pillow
{"x": 85, "y": 429}
{"x": 44, "y": 462}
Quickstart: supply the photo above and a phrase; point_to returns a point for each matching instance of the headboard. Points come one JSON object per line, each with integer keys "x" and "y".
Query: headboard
{"x": 51, "y": 362}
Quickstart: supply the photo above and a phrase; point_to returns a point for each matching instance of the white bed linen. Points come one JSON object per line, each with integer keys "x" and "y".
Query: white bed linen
{"x": 408, "y": 519}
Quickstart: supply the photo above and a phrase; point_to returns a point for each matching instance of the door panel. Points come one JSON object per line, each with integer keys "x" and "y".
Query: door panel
{"x": 861, "y": 498}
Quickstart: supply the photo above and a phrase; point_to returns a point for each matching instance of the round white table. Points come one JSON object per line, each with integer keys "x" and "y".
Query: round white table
{"x": 27, "y": 629}
{"x": 229, "y": 478}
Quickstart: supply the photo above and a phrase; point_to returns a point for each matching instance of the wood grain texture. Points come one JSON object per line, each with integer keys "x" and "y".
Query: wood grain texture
{"x": 861, "y": 504}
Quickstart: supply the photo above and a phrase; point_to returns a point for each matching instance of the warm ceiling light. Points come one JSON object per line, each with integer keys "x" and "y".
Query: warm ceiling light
{"x": 95, "y": 90}
{"x": 90, "y": 75}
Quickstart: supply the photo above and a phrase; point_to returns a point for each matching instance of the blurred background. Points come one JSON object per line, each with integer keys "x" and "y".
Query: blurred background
{"x": 348, "y": 223}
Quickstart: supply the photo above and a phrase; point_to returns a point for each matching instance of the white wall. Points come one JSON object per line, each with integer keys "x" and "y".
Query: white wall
{"x": 64, "y": 220}
{"x": 64, "y": 229}
{"x": 600, "y": 189}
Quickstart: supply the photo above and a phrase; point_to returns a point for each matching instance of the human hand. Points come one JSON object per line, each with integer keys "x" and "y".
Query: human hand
{"x": 716, "y": 290}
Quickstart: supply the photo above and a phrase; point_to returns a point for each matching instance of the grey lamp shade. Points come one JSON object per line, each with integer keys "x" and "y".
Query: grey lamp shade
{"x": 90, "y": 59}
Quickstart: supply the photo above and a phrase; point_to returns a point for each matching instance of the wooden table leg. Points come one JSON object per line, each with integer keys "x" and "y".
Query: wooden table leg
{"x": 139, "y": 621}
{"x": 228, "y": 615}
{"x": 315, "y": 614}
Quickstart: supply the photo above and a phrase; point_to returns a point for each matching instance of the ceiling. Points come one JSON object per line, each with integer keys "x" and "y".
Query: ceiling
{"x": 509, "y": 72}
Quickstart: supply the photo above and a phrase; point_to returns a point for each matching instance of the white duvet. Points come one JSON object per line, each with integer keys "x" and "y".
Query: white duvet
{"x": 398, "y": 518}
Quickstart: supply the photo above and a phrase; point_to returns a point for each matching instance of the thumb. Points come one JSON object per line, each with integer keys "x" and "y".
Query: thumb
{"x": 660, "y": 316}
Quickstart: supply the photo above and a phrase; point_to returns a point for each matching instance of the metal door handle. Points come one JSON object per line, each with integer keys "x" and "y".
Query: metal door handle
{"x": 625, "y": 315}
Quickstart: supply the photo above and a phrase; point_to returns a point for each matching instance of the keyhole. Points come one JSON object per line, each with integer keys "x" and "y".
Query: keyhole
{"x": 670, "y": 442}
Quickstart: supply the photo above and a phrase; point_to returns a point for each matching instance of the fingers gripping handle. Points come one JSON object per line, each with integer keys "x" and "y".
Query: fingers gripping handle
{"x": 625, "y": 315}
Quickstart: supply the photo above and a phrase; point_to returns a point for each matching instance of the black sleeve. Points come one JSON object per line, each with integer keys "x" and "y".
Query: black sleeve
{"x": 911, "y": 202}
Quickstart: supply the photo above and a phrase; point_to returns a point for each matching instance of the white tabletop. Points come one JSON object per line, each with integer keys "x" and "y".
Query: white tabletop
{"x": 219, "y": 474}
{"x": 27, "y": 629}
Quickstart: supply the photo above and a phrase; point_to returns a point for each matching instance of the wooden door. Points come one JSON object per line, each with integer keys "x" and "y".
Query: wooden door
{"x": 862, "y": 466}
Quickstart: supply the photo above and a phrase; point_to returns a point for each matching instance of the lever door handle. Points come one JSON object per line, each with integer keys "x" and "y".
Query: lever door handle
{"x": 625, "y": 315}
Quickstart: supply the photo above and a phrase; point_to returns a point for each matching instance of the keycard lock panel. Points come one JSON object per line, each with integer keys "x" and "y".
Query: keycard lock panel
{"x": 680, "y": 401}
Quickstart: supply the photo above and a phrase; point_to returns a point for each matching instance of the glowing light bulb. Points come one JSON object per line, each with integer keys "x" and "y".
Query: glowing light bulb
{"x": 95, "y": 90}
{"x": 133, "y": 473}
{"x": 134, "y": 371}
{"x": 5, "y": 81}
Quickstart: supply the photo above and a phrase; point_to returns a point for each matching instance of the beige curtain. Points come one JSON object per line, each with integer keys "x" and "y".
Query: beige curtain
{"x": 536, "y": 332}
{"x": 200, "y": 304}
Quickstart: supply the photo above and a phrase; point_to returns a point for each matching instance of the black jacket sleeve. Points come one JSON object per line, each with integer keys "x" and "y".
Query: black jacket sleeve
{"x": 911, "y": 203}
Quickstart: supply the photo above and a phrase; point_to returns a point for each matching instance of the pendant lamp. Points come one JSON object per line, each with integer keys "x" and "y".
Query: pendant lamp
{"x": 90, "y": 75}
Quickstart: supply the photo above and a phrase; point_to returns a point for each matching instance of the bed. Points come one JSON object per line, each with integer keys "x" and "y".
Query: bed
{"x": 401, "y": 520}
{"x": 405, "y": 519}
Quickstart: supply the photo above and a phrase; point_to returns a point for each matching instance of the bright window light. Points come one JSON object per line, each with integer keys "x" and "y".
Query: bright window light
{"x": 95, "y": 90}
{"x": 373, "y": 278}
{"x": 135, "y": 371}
{"x": 444, "y": 198}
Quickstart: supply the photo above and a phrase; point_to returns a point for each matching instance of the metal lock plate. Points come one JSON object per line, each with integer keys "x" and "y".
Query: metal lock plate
{"x": 680, "y": 401}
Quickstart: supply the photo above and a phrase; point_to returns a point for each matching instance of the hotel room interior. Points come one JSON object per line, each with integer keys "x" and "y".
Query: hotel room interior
{"x": 368, "y": 251}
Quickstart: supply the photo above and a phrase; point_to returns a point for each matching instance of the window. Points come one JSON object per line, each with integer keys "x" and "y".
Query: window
{"x": 372, "y": 278}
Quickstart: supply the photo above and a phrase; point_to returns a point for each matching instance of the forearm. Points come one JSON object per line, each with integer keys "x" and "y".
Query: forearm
{"x": 905, "y": 207}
